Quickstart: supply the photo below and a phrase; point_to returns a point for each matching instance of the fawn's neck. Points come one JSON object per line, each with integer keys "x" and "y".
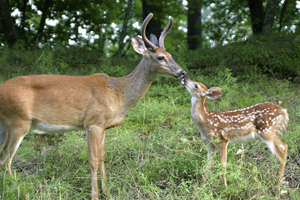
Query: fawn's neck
{"x": 200, "y": 113}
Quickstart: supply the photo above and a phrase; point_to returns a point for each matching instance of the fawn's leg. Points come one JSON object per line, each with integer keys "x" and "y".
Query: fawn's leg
{"x": 281, "y": 156}
{"x": 278, "y": 149}
{"x": 222, "y": 148}
{"x": 211, "y": 149}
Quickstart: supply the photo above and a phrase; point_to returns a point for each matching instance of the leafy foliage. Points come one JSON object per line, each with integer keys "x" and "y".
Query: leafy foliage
{"x": 276, "y": 56}
{"x": 97, "y": 24}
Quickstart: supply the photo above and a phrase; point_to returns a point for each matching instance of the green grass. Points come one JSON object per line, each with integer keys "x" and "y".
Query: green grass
{"x": 157, "y": 152}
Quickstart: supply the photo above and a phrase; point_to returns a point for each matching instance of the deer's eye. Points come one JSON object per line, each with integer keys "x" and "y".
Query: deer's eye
{"x": 196, "y": 85}
{"x": 160, "y": 58}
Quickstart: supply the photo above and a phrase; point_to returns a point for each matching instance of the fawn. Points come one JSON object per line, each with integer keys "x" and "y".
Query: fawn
{"x": 265, "y": 121}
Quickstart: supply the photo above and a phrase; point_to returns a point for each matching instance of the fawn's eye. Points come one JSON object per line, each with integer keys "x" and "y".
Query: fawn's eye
{"x": 196, "y": 85}
{"x": 160, "y": 58}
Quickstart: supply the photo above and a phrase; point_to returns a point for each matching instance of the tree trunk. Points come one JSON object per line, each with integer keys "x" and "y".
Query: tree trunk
{"x": 269, "y": 16}
{"x": 154, "y": 25}
{"x": 194, "y": 24}
{"x": 8, "y": 24}
{"x": 45, "y": 10}
{"x": 282, "y": 15}
{"x": 257, "y": 16}
{"x": 124, "y": 28}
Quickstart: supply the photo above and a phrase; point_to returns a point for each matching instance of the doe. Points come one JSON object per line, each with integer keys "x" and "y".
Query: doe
{"x": 95, "y": 103}
{"x": 265, "y": 121}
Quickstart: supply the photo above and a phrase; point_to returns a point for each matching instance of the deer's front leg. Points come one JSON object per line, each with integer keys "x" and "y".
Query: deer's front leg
{"x": 222, "y": 148}
{"x": 96, "y": 147}
{"x": 211, "y": 150}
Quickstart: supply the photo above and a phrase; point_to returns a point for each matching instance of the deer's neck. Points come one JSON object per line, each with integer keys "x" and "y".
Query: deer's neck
{"x": 200, "y": 113}
{"x": 134, "y": 86}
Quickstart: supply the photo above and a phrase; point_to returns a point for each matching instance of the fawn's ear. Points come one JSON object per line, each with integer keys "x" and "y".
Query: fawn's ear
{"x": 213, "y": 93}
{"x": 138, "y": 44}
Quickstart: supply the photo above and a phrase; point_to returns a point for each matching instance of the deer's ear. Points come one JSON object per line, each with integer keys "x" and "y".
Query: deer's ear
{"x": 153, "y": 39}
{"x": 213, "y": 93}
{"x": 138, "y": 44}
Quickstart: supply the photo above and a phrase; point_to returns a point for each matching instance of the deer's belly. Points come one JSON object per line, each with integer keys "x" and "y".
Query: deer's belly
{"x": 50, "y": 128}
{"x": 244, "y": 139}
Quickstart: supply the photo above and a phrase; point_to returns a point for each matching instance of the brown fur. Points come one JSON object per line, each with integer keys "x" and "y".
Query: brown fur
{"x": 95, "y": 103}
{"x": 265, "y": 121}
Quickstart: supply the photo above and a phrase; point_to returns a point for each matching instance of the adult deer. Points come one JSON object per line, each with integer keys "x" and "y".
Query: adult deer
{"x": 53, "y": 103}
{"x": 263, "y": 121}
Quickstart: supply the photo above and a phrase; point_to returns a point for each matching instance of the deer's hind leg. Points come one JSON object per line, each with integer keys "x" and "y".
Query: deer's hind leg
{"x": 3, "y": 152}
{"x": 280, "y": 152}
{"x": 12, "y": 140}
{"x": 278, "y": 149}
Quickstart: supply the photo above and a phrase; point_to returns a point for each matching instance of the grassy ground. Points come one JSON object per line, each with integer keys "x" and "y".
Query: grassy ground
{"x": 157, "y": 153}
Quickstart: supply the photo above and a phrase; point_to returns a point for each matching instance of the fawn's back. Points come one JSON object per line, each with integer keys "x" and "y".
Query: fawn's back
{"x": 247, "y": 123}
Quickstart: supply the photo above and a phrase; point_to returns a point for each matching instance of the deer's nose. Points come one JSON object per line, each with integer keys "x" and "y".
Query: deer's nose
{"x": 183, "y": 73}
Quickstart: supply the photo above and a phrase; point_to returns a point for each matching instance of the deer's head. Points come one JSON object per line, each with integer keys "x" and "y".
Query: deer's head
{"x": 158, "y": 59}
{"x": 199, "y": 90}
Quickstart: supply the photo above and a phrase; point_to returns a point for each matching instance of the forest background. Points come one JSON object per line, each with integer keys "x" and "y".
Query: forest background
{"x": 251, "y": 49}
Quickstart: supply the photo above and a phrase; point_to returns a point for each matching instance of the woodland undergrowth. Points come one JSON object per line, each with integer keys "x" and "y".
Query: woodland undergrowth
{"x": 157, "y": 153}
